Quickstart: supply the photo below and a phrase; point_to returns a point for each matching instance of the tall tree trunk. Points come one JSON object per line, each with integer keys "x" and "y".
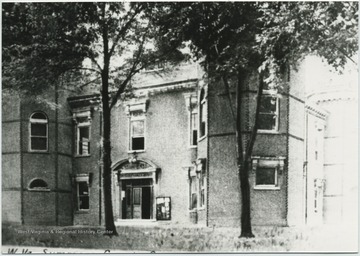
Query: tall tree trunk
{"x": 245, "y": 165}
{"x": 109, "y": 217}
{"x": 246, "y": 230}
{"x": 242, "y": 165}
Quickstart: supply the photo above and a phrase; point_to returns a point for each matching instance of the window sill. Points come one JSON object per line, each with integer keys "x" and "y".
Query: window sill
{"x": 82, "y": 211}
{"x": 136, "y": 151}
{"x": 266, "y": 188}
{"x": 81, "y": 156}
{"x": 39, "y": 190}
{"x": 39, "y": 152}
{"x": 268, "y": 132}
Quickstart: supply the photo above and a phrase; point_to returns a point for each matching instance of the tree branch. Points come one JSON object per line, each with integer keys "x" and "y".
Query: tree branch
{"x": 131, "y": 73}
{"x": 92, "y": 58}
{"x": 228, "y": 93}
{"x": 121, "y": 32}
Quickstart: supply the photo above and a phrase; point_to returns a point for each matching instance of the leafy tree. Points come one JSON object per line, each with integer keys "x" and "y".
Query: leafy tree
{"x": 43, "y": 41}
{"x": 237, "y": 38}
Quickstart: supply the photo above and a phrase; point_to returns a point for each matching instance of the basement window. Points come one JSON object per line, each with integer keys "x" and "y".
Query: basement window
{"x": 267, "y": 172}
{"x": 38, "y": 185}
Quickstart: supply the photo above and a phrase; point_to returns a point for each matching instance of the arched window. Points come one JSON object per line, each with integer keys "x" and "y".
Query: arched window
{"x": 38, "y": 184}
{"x": 203, "y": 113}
{"x": 38, "y": 132}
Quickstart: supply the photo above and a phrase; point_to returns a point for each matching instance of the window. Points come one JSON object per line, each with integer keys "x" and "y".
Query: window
{"x": 193, "y": 128}
{"x": 202, "y": 190}
{"x": 136, "y": 112}
{"x": 197, "y": 184}
{"x": 266, "y": 176}
{"x": 268, "y": 113}
{"x": 83, "y": 131}
{"x": 267, "y": 171}
{"x": 38, "y": 184}
{"x": 192, "y": 107}
{"x": 137, "y": 137}
{"x": 38, "y": 132}
{"x": 203, "y": 114}
{"x": 83, "y": 138}
{"x": 193, "y": 193}
{"x": 83, "y": 195}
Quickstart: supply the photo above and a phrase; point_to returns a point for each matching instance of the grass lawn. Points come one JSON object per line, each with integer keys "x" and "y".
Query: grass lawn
{"x": 181, "y": 239}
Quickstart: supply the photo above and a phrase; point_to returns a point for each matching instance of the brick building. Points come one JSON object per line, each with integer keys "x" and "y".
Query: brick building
{"x": 173, "y": 155}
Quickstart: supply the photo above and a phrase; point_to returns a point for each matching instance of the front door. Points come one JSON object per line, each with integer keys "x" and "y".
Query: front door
{"x": 137, "y": 203}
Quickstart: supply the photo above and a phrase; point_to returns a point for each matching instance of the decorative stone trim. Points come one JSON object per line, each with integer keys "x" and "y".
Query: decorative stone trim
{"x": 136, "y": 105}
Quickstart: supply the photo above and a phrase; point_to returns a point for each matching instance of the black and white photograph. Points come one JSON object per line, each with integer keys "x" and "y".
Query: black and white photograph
{"x": 179, "y": 127}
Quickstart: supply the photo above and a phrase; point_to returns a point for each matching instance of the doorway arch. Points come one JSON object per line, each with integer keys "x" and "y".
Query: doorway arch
{"x": 134, "y": 189}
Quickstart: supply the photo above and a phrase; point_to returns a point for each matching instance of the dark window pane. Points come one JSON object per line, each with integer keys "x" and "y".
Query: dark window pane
{"x": 38, "y": 143}
{"x": 38, "y": 129}
{"x": 83, "y": 188}
{"x": 84, "y": 133}
{"x": 128, "y": 196}
{"x": 194, "y": 137}
{"x": 138, "y": 143}
{"x": 266, "y": 122}
{"x": 265, "y": 176}
{"x": 193, "y": 201}
{"x": 202, "y": 128}
{"x": 84, "y": 202}
{"x": 202, "y": 197}
{"x": 38, "y": 116}
{"x": 38, "y": 183}
{"x": 268, "y": 104}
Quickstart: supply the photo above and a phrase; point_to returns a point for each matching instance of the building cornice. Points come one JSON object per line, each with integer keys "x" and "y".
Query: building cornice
{"x": 335, "y": 95}
{"x": 316, "y": 110}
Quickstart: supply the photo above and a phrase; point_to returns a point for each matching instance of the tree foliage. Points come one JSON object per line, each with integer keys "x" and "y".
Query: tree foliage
{"x": 103, "y": 44}
{"x": 238, "y": 38}
{"x": 264, "y": 34}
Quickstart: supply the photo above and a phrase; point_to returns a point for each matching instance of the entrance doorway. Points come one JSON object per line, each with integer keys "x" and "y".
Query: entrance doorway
{"x": 137, "y": 199}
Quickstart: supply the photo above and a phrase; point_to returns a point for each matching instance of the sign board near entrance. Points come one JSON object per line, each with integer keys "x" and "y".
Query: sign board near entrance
{"x": 163, "y": 208}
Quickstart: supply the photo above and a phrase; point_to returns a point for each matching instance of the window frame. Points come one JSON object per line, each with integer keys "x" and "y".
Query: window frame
{"x": 192, "y": 128}
{"x": 78, "y": 196}
{"x": 46, "y": 188}
{"x": 277, "y": 163}
{"x": 80, "y": 125}
{"x": 267, "y": 93}
{"x": 276, "y": 181}
{"x": 202, "y": 114}
{"x": 133, "y": 118}
{"x": 39, "y": 121}
{"x": 193, "y": 190}
{"x": 202, "y": 190}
